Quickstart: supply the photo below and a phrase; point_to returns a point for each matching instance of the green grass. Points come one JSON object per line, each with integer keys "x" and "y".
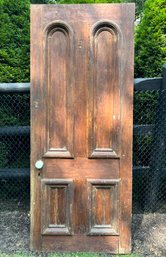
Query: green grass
{"x": 67, "y": 255}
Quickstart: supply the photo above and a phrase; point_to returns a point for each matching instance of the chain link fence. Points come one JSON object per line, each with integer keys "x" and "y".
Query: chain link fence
{"x": 149, "y": 151}
{"x": 14, "y": 147}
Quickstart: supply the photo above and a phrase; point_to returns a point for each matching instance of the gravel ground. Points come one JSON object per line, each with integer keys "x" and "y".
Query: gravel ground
{"x": 149, "y": 234}
{"x": 148, "y": 231}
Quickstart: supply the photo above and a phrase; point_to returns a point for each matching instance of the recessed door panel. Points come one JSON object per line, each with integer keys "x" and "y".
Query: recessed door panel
{"x": 104, "y": 98}
{"x": 59, "y": 90}
{"x": 57, "y": 200}
{"x": 103, "y": 206}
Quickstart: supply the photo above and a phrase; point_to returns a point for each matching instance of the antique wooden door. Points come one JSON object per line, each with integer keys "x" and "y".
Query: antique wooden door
{"x": 81, "y": 127}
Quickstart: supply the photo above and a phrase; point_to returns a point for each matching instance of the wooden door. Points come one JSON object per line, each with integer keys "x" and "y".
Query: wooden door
{"x": 81, "y": 127}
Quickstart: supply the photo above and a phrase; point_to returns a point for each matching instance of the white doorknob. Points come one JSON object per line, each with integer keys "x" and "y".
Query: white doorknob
{"x": 39, "y": 164}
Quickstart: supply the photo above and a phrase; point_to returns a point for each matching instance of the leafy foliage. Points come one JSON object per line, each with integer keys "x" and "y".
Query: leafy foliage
{"x": 150, "y": 40}
{"x": 14, "y": 36}
{"x": 139, "y": 5}
{"x": 43, "y": 1}
{"x": 14, "y": 41}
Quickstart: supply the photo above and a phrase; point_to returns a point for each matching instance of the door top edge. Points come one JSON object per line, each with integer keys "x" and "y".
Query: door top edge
{"x": 83, "y": 5}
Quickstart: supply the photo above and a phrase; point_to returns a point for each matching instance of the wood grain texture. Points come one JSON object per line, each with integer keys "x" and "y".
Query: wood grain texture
{"x": 81, "y": 123}
{"x": 82, "y": 243}
{"x": 126, "y": 132}
{"x": 80, "y": 168}
{"x": 58, "y": 51}
{"x": 103, "y": 206}
{"x": 57, "y": 206}
{"x": 104, "y": 99}
{"x": 36, "y": 126}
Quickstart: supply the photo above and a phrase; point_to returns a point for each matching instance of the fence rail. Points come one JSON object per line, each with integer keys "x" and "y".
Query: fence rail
{"x": 144, "y": 84}
{"x": 154, "y": 172}
{"x": 14, "y": 88}
{"x": 140, "y": 84}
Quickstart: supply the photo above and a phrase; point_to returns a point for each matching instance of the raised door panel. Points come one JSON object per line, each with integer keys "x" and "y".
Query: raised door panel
{"x": 103, "y": 206}
{"x": 57, "y": 200}
{"x": 104, "y": 100}
{"x": 59, "y": 90}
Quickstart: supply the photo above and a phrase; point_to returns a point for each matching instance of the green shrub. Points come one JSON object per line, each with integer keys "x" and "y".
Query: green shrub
{"x": 14, "y": 41}
{"x": 150, "y": 40}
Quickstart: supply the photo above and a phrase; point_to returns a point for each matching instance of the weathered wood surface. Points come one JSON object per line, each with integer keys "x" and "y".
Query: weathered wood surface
{"x": 7, "y": 173}
{"x": 81, "y": 127}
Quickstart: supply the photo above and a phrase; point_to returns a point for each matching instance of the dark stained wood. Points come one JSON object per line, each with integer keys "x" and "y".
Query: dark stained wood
{"x": 82, "y": 243}
{"x": 104, "y": 98}
{"x": 80, "y": 168}
{"x": 126, "y": 134}
{"x": 57, "y": 202}
{"x": 58, "y": 82}
{"x": 102, "y": 207}
{"x": 81, "y": 121}
{"x": 103, "y": 196}
{"x": 36, "y": 126}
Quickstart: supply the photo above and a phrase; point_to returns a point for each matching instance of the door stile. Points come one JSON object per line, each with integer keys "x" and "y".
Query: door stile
{"x": 127, "y": 89}
{"x": 36, "y": 126}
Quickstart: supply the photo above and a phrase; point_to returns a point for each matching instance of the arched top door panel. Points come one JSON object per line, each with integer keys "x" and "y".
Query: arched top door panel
{"x": 104, "y": 127}
{"x": 58, "y": 40}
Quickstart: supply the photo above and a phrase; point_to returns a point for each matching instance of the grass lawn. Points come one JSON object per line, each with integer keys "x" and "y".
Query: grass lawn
{"x": 67, "y": 255}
